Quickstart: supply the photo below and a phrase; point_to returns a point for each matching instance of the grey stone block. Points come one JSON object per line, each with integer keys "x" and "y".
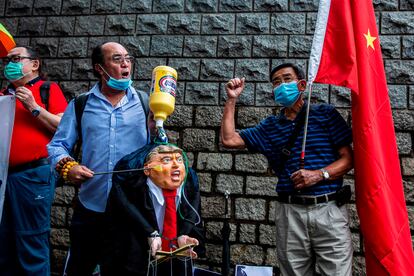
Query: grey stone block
{"x": 411, "y": 97}
{"x": 73, "y": 88}
{"x": 340, "y": 96}
{"x": 19, "y": 7}
{"x": 320, "y": 93}
{"x": 399, "y": 71}
{"x": 288, "y": 23}
{"x": 271, "y": 257}
{"x": 250, "y": 209}
{"x": 58, "y": 258}
{"x": 311, "y": 22}
{"x": 234, "y": 46}
{"x": 137, "y": 46}
{"x": 208, "y": 116}
{"x": 60, "y": 26}
{"x": 218, "y": 24}
{"x": 252, "y": 163}
{"x": 82, "y": 69}
{"x": 201, "y": 5}
{"x": 213, "y": 253}
{"x": 247, "y": 254}
{"x": 32, "y": 26}
{"x": 246, "y": 98}
{"x": 64, "y": 195}
{"x": 264, "y": 94}
{"x": 390, "y": 46}
{"x": 264, "y": 186}
{"x": 267, "y": 234}
{"x": 46, "y": 7}
{"x": 270, "y": 5}
{"x": 198, "y": 139}
{"x": 397, "y": 23}
{"x": 184, "y": 24}
{"x": 398, "y": 96}
{"x": 409, "y": 190}
{"x": 58, "y": 216}
{"x": 304, "y": 5}
{"x": 120, "y": 24}
{"x": 10, "y": 23}
{"x": 358, "y": 266}
{"x": 182, "y": 117}
{"x": 90, "y": 25}
{"x": 216, "y": 69}
{"x": 46, "y": 47}
{"x": 76, "y": 7}
{"x": 107, "y": 6}
{"x": 301, "y": 63}
{"x": 57, "y": 69}
{"x": 168, "y": 5}
{"x": 213, "y": 231}
{"x": 144, "y": 66}
{"x": 300, "y": 46}
{"x": 59, "y": 237}
{"x": 272, "y": 211}
{"x": 247, "y": 233}
{"x": 404, "y": 143}
{"x": 251, "y": 116}
{"x": 253, "y": 23}
{"x": 214, "y": 161}
{"x": 403, "y": 119}
{"x": 205, "y": 182}
{"x": 72, "y": 47}
{"x": 253, "y": 69}
{"x": 167, "y": 45}
{"x": 235, "y": 6}
{"x": 408, "y": 47}
{"x": 151, "y": 24}
{"x": 353, "y": 216}
{"x": 231, "y": 183}
{"x": 187, "y": 69}
{"x": 406, "y": 4}
{"x": 213, "y": 207}
{"x": 173, "y": 136}
{"x": 200, "y": 46}
{"x": 270, "y": 46}
{"x": 133, "y": 6}
{"x": 407, "y": 166}
{"x": 385, "y": 5}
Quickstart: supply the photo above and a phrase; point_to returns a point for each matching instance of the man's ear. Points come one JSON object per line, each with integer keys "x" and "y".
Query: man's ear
{"x": 146, "y": 170}
{"x": 36, "y": 64}
{"x": 301, "y": 85}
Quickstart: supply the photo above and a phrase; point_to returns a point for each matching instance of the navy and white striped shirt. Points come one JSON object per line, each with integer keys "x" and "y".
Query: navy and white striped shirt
{"x": 327, "y": 132}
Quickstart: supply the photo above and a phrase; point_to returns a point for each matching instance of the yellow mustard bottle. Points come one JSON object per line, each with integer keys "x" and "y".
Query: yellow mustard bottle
{"x": 162, "y": 94}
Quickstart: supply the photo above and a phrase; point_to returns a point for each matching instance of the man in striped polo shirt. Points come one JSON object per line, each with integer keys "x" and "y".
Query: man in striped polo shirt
{"x": 312, "y": 231}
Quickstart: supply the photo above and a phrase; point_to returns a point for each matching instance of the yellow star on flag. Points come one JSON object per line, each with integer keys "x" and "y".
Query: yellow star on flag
{"x": 370, "y": 40}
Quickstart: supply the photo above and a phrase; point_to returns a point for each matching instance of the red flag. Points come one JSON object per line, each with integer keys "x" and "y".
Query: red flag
{"x": 346, "y": 52}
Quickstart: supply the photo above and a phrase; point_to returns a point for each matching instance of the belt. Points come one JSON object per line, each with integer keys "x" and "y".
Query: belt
{"x": 306, "y": 200}
{"x": 29, "y": 165}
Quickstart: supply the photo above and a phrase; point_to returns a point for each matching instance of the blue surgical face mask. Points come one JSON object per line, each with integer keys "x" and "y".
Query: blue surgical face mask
{"x": 121, "y": 84}
{"x": 13, "y": 71}
{"x": 286, "y": 94}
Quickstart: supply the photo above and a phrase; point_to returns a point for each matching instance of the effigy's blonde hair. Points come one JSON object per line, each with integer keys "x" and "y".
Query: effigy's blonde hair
{"x": 162, "y": 149}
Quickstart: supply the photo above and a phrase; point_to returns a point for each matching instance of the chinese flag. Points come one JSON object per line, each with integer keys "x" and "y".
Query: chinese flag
{"x": 346, "y": 52}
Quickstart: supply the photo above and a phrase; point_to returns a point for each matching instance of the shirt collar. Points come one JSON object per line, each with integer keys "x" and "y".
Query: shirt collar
{"x": 157, "y": 192}
{"x": 130, "y": 93}
{"x": 11, "y": 88}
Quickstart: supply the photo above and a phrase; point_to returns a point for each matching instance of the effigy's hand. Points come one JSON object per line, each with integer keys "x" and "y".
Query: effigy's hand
{"x": 154, "y": 244}
{"x": 184, "y": 240}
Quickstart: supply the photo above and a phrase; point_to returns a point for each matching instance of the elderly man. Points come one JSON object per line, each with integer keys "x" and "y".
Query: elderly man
{"x": 113, "y": 124}
{"x": 312, "y": 229}
{"x": 24, "y": 230}
{"x": 155, "y": 208}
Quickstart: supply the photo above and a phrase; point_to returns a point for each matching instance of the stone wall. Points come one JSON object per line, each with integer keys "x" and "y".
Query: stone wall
{"x": 208, "y": 42}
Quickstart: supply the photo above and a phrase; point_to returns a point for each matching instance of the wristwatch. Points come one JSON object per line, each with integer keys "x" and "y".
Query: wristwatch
{"x": 35, "y": 111}
{"x": 325, "y": 174}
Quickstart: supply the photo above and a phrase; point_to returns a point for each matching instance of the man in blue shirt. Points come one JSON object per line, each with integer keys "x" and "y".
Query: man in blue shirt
{"x": 113, "y": 124}
{"x": 312, "y": 231}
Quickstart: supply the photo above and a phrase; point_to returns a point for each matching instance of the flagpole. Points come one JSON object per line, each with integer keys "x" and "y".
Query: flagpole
{"x": 305, "y": 130}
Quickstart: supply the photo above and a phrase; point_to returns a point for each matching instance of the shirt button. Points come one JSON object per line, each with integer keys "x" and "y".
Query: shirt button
{"x": 111, "y": 146}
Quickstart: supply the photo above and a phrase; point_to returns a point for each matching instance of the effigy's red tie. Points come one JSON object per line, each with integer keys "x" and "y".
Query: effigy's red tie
{"x": 169, "y": 232}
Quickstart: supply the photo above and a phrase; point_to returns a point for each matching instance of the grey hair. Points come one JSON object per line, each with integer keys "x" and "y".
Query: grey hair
{"x": 163, "y": 149}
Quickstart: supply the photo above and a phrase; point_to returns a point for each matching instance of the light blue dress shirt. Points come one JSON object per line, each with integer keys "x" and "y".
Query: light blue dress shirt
{"x": 108, "y": 133}
{"x": 158, "y": 201}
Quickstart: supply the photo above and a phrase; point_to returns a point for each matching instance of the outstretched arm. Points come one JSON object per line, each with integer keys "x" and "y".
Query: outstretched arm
{"x": 229, "y": 137}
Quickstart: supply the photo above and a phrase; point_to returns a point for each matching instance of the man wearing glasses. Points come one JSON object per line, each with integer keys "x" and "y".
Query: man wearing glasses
{"x": 113, "y": 124}
{"x": 312, "y": 229}
{"x": 25, "y": 227}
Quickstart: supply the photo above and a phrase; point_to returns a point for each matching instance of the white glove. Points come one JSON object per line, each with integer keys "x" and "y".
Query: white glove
{"x": 154, "y": 244}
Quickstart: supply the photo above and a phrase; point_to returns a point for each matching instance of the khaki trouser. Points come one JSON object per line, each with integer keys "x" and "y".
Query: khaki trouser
{"x": 313, "y": 238}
